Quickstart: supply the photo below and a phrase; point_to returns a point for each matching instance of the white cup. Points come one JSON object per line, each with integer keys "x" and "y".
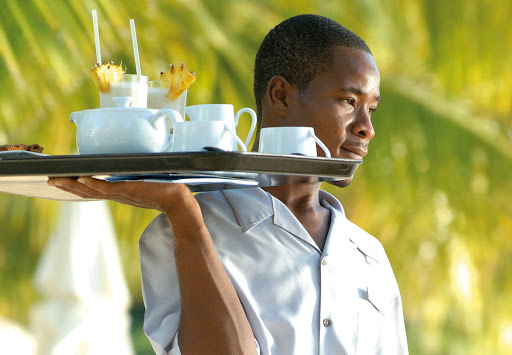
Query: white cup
{"x": 157, "y": 98}
{"x": 135, "y": 86}
{"x": 290, "y": 140}
{"x": 222, "y": 112}
{"x": 192, "y": 136}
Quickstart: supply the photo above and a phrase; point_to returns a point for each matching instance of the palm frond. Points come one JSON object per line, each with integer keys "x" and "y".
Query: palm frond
{"x": 437, "y": 179}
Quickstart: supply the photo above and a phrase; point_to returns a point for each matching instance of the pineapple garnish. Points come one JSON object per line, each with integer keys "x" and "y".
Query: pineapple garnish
{"x": 105, "y": 74}
{"x": 177, "y": 80}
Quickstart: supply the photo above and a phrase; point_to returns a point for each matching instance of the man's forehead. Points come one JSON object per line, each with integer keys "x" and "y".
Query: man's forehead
{"x": 355, "y": 70}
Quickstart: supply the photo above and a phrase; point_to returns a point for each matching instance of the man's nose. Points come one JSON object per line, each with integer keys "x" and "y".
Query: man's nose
{"x": 362, "y": 126}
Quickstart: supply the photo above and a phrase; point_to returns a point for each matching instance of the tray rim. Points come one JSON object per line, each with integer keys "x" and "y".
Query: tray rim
{"x": 183, "y": 162}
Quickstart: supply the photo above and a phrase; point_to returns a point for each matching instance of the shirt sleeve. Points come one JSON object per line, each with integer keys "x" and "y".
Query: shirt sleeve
{"x": 175, "y": 348}
{"x": 160, "y": 287}
{"x": 394, "y": 340}
{"x": 385, "y": 295}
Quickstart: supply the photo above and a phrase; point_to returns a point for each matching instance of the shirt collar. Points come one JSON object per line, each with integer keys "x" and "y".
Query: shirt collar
{"x": 251, "y": 206}
{"x": 357, "y": 237}
{"x": 285, "y": 219}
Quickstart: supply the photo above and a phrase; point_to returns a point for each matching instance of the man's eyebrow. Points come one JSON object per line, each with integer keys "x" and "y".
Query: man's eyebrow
{"x": 356, "y": 91}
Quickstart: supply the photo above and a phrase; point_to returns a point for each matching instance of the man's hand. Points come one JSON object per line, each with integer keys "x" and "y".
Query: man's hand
{"x": 164, "y": 197}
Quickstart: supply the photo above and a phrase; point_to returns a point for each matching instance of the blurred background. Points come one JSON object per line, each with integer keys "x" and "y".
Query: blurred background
{"x": 435, "y": 189}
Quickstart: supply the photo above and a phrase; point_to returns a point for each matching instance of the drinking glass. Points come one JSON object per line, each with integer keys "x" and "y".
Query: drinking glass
{"x": 135, "y": 86}
{"x": 157, "y": 98}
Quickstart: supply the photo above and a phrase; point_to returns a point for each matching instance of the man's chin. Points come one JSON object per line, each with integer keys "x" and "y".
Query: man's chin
{"x": 341, "y": 183}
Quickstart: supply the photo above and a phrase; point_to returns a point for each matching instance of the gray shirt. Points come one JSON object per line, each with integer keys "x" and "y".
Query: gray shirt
{"x": 297, "y": 298}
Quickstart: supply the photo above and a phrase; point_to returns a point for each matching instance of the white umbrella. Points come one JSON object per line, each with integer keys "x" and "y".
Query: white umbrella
{"x": 86, "y": 300}
{"x": 15, "y": 339}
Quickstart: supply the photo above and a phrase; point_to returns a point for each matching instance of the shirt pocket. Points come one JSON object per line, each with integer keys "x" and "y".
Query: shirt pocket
{"x": 372, "y": 307}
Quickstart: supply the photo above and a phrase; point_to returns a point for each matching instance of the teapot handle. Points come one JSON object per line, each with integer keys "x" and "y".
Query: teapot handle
{"x": 253, "y": 122}
{"x": 171, "y": 117}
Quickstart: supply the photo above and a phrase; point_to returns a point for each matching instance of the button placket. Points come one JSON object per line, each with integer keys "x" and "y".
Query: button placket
{"x": 325, "y": 303}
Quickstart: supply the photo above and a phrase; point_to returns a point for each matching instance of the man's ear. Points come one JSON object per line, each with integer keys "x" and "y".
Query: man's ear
{"x": 278, "y": 90}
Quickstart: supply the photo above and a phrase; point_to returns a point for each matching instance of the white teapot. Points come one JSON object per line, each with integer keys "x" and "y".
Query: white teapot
{"x": 225, "y": 113}
{"x": 124, "y": 129}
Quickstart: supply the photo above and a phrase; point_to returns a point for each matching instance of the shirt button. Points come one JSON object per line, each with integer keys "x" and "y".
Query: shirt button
{"x": 324, "y": 260}
{"x": 327, "y": 322}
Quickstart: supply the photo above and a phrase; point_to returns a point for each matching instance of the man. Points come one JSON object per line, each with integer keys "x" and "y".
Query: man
{"x": 278, "y": 270}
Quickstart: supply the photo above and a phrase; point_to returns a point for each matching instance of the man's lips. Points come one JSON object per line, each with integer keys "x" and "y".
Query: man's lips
{"x": 355, "y": 152}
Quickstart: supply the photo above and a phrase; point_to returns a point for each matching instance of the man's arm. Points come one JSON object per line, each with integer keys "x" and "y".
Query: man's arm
{"x": 212, "y": 318}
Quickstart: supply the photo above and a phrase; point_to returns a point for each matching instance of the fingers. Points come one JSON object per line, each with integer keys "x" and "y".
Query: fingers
{"x": 88, "y": 187}
{"x": 102, "y": 187}
{"x": 114, "y": 188}
{"x": 128, "y": 192}
{"x": 159, "y": 196}
{"x": 75, "y": 187}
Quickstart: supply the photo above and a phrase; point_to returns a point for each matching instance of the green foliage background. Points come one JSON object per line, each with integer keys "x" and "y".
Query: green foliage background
{"x": 435, "y": 188}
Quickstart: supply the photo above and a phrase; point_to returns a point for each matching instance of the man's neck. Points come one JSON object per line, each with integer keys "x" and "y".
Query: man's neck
{"x": 297, "y": 197}
{"x": 303, "y": 201}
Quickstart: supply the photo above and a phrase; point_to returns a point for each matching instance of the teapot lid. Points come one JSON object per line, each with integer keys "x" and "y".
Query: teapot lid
{"x": 123, "y": 105}
{"x": 122, "y": 101}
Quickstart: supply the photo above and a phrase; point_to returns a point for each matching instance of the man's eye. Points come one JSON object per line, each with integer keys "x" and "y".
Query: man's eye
{"x": 348, "y": 101}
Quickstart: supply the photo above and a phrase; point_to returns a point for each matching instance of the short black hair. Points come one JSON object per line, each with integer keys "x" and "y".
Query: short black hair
{"x": 299, "y": 49}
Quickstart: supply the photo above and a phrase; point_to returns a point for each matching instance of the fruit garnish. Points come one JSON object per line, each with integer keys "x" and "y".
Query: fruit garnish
{"x": 177, "y": 79}
{"x": 105, "y": 74}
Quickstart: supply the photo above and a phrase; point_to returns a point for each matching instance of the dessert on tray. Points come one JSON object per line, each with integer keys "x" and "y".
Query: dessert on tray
{"x": 31, "y": 148}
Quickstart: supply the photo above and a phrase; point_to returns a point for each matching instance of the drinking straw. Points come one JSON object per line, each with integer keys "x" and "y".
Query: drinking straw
{"x": 135, "y": 46}
{"x": 96, "y": 36}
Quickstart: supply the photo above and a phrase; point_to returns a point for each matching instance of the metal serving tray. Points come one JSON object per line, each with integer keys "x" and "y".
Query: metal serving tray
{"x": 25, "y": 173}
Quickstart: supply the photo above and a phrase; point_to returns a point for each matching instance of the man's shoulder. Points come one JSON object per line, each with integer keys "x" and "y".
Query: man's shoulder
{"x": 210, "y": 196}
{"x": 367, "y": 243}
{"x": 240, "y": 201}
{"x": 213, "y": 202}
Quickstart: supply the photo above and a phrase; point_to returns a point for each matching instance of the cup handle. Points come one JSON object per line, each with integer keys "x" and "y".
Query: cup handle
{"x": 253, "y": 122}
{"x": 321, "y": 144}
{"x": 238, "y": 140}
